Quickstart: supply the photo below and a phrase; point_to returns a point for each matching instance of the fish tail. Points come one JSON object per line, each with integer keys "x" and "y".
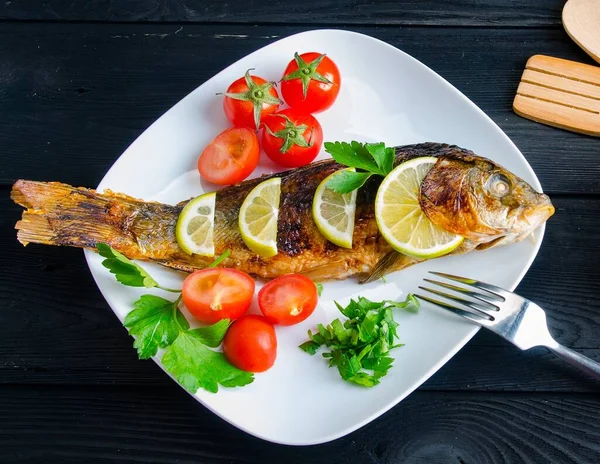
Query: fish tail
{"x": 59, "y": 214}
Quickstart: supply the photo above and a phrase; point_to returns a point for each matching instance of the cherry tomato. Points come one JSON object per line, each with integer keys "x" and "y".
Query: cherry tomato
{"x": 230, "y": 157}
{"x": 216, "y": 293}
{"x": 250, "y": 344}
{"x": 288, "y": 299}
{"x": 249, "y": 99}
{"x": 292, "y": 138}
{"x": 311, "y": 82}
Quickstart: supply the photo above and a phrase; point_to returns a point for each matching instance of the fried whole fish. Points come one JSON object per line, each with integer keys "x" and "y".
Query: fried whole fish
{"x": 463, "y": 193}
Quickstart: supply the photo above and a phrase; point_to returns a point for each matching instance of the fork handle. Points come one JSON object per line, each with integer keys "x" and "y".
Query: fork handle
{"x": 587, "y": 365}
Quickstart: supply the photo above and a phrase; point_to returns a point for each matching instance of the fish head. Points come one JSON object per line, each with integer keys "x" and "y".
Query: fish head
{"x": 482, "y": 201}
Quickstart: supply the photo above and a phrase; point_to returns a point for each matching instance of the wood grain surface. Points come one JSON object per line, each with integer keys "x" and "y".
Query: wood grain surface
{"x": 164, "y": 425}
{"x": 490, "y": 13}
{"x": 79, "y": 81}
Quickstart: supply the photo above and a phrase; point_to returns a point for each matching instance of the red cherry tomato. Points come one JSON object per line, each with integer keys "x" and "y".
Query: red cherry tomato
{"x": 292, "y": 138}
{"x": 288, "y": 299}
{"x": 311, "y": 82}
{"x": 216, "y": 293}
{"x": 246, "y": 94}
{"x": 250, "y": 344}
{"x": 230, "y": 157}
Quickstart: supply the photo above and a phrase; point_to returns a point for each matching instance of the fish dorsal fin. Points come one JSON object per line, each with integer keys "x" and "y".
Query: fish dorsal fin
{"x": 392, "y": 261}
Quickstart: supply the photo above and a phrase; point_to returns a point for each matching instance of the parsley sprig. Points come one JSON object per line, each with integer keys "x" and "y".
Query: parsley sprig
{"x": 157, "y": 323}
{"x": 359, "y": 347}
{"x": 370, "y": 158}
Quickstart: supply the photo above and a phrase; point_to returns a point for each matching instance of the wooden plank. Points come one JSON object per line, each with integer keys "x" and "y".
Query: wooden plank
{"x": 62, "y": 331}
{"x": 73, "y": 96}
{"x": 426, "y": 12}
{"x": 164, "y": 425}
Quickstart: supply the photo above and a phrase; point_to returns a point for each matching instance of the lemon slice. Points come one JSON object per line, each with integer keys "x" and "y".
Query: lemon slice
{"x": 194, "y": 230}
{"x": 333, "y": 212}
{"x": 258, "y": 218}
{"x": 400, "y": 218}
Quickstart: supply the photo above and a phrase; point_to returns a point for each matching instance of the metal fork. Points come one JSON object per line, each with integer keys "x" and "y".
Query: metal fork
{"x": 511, "y": 316}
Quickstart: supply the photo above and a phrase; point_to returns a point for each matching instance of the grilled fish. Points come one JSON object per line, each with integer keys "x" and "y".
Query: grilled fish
{"x": 463, "y": 193}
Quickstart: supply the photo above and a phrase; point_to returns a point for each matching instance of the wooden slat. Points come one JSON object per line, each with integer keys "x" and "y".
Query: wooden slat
{"x": 561, "y": 83}
{"x": 566, "y": 68}
{"x": 563, "y": 117}
{"x": 559, "y": 97}
{"x": 164, "y": 425}
{"x": 74, "y": 96}
{"x": 488, "y": 13}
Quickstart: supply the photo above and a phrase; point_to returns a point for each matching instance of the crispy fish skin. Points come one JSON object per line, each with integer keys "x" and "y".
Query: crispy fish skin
{"x": 59, "y": 214}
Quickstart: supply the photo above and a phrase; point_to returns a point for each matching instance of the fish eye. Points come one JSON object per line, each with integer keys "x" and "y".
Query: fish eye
{"x": 498, "y": 185}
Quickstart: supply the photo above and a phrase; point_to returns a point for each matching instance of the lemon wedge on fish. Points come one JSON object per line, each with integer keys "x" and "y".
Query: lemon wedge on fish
{"x": 400, "y": 218}
{"x": 334, "y": 212}
{"x": 258, "y": 218}
{"x": 194, "y": 230}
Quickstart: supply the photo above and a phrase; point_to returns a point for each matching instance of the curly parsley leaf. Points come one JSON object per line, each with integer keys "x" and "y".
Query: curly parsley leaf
{"x": 156, "y": 323}
{"x": 347, "y": 181}
{"x": 360, "y": 346}
{"x": 411, "y": 304}
{"x": 353, "y": 155}
{"x": 195, "y": 366}
{"x": 372, "y": 158}
{"x": 213, "y": 334}
{"x": 126, "y": 271}
{"x": 383, "y": 156}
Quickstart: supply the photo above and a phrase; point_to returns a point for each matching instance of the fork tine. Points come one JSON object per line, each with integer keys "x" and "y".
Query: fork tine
{"x": 478, "y": 296}
{"x": 459, "y": 312}
{"x": 480, "y": 310}
{"x": 498, "y": 292}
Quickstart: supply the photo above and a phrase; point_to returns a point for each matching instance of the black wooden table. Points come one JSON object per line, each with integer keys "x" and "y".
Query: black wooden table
{"x": 79, "y": 81}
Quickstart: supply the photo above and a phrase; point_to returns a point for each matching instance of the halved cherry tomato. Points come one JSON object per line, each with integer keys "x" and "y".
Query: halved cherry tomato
{"x": 250, "y": 344}
{"x": 288, "y": 299}
{"x": 311, "y": 82}
{"x": 249, "y": 99}
{"x": 292, "y": 137}
{"x": 217, "y": 293}
{"x": 230, "y": 157}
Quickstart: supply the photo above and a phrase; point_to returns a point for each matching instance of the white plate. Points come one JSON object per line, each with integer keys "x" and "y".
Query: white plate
{"x": 386, "y": 96}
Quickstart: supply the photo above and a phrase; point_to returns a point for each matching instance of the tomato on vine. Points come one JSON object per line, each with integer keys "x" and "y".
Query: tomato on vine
{"x": 311, "y": 82}
{"x": 249, "y": 99}
{"x": 292, "y": 138}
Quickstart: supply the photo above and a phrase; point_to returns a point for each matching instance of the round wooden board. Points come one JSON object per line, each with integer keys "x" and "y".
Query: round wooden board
{"x": 581, "y": 20}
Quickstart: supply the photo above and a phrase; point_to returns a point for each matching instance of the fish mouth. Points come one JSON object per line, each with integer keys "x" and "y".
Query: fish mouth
{"x": 538, "y": 215}
{"x": 533, "y": 218}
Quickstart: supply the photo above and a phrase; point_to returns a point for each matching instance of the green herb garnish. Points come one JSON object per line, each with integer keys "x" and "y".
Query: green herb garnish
{"x": 158, "y": 323}
{"x": 360, "y": 346}
{"x": 126, "y": 271}
{"x": 370, "y": 158}
{"x": 319, "y": 289}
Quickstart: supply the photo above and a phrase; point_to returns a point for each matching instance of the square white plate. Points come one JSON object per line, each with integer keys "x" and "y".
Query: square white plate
{"x": 386, "y": 96}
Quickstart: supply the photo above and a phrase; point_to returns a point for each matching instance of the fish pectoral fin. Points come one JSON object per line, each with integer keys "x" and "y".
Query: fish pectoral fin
{"x": 392, "y": 261}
